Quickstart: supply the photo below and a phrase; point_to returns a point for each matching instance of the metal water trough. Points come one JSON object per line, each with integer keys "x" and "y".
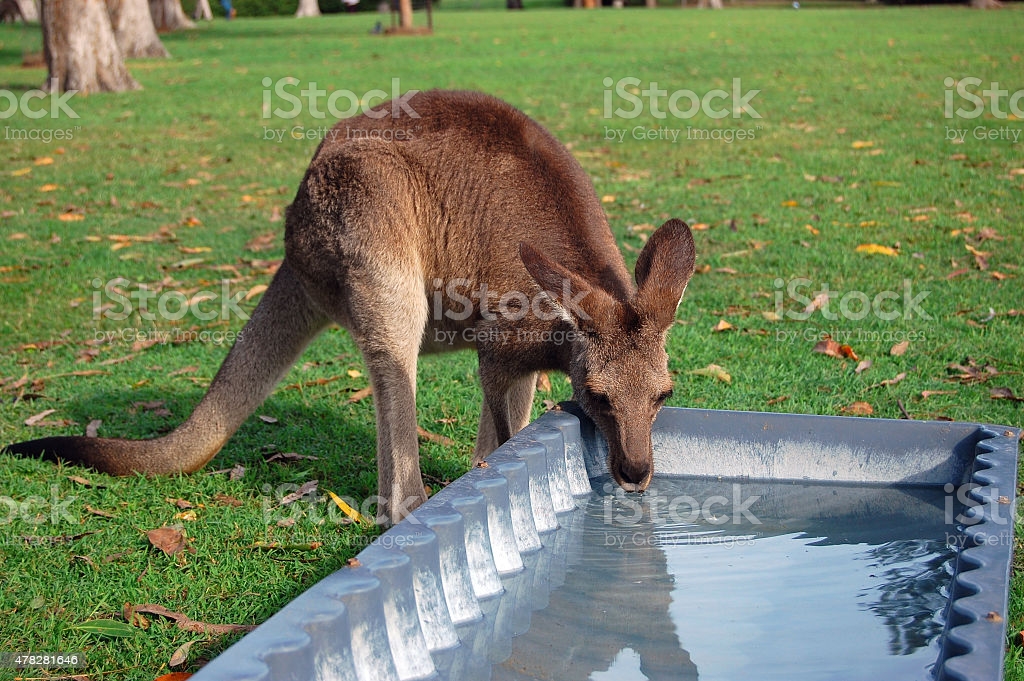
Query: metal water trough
{"x": 442, "y": 594}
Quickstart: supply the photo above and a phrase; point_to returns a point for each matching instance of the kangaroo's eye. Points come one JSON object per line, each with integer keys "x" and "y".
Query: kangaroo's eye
{"x": 663, "y": 397}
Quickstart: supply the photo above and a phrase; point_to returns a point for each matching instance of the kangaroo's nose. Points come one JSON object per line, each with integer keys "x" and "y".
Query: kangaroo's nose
{"x": 634, "y": 478}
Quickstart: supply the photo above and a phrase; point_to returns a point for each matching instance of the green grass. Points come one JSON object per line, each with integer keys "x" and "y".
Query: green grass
{"x": 190, "y": 147}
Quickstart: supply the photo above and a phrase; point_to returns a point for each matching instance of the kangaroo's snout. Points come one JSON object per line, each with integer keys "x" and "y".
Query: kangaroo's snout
{"x": 634, "y": 477}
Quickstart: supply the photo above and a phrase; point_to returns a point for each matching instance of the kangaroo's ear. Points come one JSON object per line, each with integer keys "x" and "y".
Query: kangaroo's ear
{"x": 662, "y": 272}
{"x": 587, "y": 307}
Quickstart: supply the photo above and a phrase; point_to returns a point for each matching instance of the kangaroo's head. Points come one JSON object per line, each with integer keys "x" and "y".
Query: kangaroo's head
{"x": 619, "y": 367}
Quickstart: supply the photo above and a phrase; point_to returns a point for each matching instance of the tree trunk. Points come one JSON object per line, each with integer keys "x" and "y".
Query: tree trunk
{"x": 986, "y": 4}
{"x": 134, "y": 30}
{"x": 29, "y": 11}
{"x": 308, "y": 8}
{"x": 80, "y": 49}
{"x": 405, "y": 13}
{"x": 652, "y": 3}
{"x": 714, "y": 4}
{"x": 203, "y": 11}
{"x": 168, "y": 15}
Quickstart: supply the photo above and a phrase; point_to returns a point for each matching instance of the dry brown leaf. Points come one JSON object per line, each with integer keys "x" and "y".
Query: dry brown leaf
{"x": 267, "y": 419}
{"x": 93, "y": 429}
{"x": 99, "y": 512}
{"x": 35, "y": 419}
{"x": 186, "y": 623}
{"x": 1004, "y": 394}
{"x": 306, "y": 488}
{"x": 226, "y": 500}
{"x": 833, "y": 349}
{"x": 925, "y": 394}
{"x": 777, "y": 400}
{"x": 82, "y": 481}
{"x": 818, "y": 301}
{"x": 722, "y": 325}
{"x": 899, "y": 349}
{"x": 892, "y": 381}
{"x": 434, "y": 437}
{"x": 863, "y": 366}
{"x": 180, "y": 503}
{"x": 167, "y": 539}
{"x": 543, "y": 382}
{"x": 354, "y": 373}
{"x": 360, "y": 395}
{"x": 858, "y": 409}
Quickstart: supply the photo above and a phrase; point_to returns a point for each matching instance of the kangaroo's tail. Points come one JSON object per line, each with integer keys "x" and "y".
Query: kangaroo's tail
{"x": 280, "y": 328}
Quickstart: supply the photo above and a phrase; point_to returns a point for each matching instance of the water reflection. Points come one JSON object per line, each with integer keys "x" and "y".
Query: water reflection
{"x": 805, "y": 581}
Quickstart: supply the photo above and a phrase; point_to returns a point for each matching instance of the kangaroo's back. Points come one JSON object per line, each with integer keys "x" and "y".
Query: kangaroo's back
{"x": 465, "y": 178}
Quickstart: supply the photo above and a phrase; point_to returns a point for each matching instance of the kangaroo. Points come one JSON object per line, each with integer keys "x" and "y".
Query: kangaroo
{"x": 439, "y": 221}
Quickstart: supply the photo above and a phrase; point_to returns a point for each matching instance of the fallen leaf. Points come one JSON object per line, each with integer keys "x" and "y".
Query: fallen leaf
{"x": 900, "y": 348}
{"x": 434, "y": 437}
{"x": 36, "y": 418}
{"x": 78, "y": 479}
{"x": 70, "y": 217}
{"x": 345, "y": 508}
{"x": 543, "y": 382}
{"x": 186, "y": 623}
{"x": 790, "y": 204}
{"x": 833, "y": 349}
{"x": 291, "y": 456}
{"x": 862, "y": 366}
{"x": 255, "y": 291}
{"x": 44, "y": 161}
{"x": 267, "y": 419}
{"x": 858, "y": 409}
{"x": 777, "y": 400}
{"x": 877, "y": 249}
{"x": 226, "y": 500}
{"x": 167, "y": 539}
{"x": 722, "y": 325}
{"x": 713, "y": 371}
{"x": 925, "y": 394}
{"x": 93, "y": 429}
{"x": 892, "y": 381}
{"x": 49, "y": 187}
{"x": 306, "y": 488}
{"x": 862, "y": 144}
{"x": 354, "y": 373}
{"x": 180, "y": 503}
{"x": 360, "y": 395}
{"x": 263, "y": 242}
{"x": 608, "y": 198}
{"x": 186, "y": 516}
{"x": 1004, "y": 394}
{"x": 106, "y": 628}
{"x": 817, "y": 302}
{"x": 180, "y": 656}
{"x": 99, "y": 512}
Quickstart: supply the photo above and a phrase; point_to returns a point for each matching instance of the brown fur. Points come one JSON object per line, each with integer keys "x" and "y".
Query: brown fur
{"x": 476, "y": 192}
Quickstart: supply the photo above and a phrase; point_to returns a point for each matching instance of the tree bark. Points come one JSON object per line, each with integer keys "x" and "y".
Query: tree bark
{"x": 134, "y": 29}
{"x": 986, "y": 4}
{"x": 80, "y": 49}
{"x": 405, "y": 13}
{"x": 308, "y": 8}
{"x": 203, "y": 11}
{"x": 168, "y": 15}
{"x": 714, "y": 4}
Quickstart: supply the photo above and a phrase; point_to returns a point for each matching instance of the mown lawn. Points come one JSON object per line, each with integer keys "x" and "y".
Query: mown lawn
{"x": 182, "y": 185}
